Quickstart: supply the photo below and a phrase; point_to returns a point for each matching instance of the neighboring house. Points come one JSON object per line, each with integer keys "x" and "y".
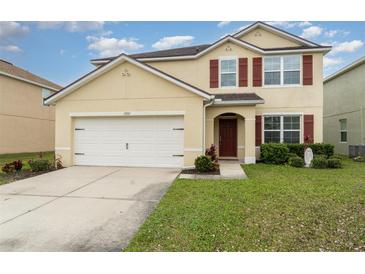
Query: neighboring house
{"x": 164, "y": 108}
{"x": 344, "y": 107}
{"x": 26, "y": 124}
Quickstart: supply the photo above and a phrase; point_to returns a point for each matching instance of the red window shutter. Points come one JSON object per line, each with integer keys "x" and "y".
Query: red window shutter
{"x": 309, "y": 129}
{"x": 242, "y": 72}
{"x": 214, "y": 73}
{"x": 307, "y": 69}
{"x": 257, "y": 72}
{"x": 258, "y": 130}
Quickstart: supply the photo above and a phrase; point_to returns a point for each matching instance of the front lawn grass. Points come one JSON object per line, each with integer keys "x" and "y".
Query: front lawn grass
{"x": 279, "y": 208}
{"x": 25, "y": 157}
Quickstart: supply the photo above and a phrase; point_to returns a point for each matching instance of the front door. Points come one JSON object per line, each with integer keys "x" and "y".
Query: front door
{"x": 228, "y": 137}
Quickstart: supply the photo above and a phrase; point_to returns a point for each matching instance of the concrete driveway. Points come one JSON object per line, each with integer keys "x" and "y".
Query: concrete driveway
{"x": 79, "y": 208}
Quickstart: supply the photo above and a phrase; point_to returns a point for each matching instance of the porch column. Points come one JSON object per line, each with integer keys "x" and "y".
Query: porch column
{"x": 209, "y": 132}
{"x": 250, "y": 149}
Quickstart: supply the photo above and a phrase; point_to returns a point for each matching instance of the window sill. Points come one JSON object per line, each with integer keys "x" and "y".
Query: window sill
{"x": 282, "y": 86}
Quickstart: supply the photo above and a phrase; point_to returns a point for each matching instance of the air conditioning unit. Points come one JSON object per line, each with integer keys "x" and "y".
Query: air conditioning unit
{"x": 356, "y": 150}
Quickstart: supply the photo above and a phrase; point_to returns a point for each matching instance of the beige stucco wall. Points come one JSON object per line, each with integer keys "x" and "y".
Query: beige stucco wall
{"x": 141, "y": 91}
{"x": 300, "y": 99}
{"x": 344, "y": 98}
{"x": 265, "y": 39}
{"x": 25, "y": 124}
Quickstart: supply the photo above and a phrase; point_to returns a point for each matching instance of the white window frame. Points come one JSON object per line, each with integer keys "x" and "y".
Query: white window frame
{"x": 281, "y": 115}
{"x": 220, "y": 72}
{"x": 282, "y": 72}
{"x": 343, "y": 130}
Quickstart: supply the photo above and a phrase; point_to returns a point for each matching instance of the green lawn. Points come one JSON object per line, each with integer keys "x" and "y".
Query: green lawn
{"x": 25, "y": 157}
{"x": 278, "y": 208}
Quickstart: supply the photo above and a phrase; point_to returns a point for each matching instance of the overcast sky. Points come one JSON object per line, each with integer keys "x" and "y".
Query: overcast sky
{"x": 60, "y": 51}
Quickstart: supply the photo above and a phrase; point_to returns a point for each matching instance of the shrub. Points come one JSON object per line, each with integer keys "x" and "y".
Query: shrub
{"x": 319, "y": 161}
{"x": 212, "y": 153}
{"x": 322, "y": 149}
{"x": 274, "y": 153}
{"x": 39, "y": 165}
{"x": 359, "y": 159}
{"x": 291, "y": 155}
{"x": 297, "y": 149}
{"x": 12, "y": 167}
{"x": 296, "y": 161}
{"x": 204, "y": 163}
{"x": 334, "y": 163}
{"x": 340, "y": 157}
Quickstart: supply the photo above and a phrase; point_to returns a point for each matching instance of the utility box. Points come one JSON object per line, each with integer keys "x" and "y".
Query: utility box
{"x": 356, "y": 150}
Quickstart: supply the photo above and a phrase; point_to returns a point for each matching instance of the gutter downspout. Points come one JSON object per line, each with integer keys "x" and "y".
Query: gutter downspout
{"x": 209, "y": 103}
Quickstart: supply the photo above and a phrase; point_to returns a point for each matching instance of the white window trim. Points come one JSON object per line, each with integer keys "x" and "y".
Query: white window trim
{"x": 282, "y": 85}
{"x": 341, "y": 130}
{"x": 219, "y": 69}
{"x": 281, "y": 115}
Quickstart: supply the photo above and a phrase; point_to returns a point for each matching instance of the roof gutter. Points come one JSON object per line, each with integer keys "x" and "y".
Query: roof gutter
{"x": 220, "y": 102}
{"x": 28, "y": 81}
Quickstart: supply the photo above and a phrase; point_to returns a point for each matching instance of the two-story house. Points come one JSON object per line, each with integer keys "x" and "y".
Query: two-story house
{"x": 165, "y": 108}
{"x": 26, "y": 124}
{"x": 344, "y": 108}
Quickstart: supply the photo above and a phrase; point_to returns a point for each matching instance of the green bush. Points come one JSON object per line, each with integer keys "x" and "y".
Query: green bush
{"x": 204, "y": 163}
{"x": 319, "y": 161}
{"x": 359, "y": 159}
{"x": 12, "y": 167}
{"x": 334, "y": 163}
{"x": 291, "y": 155}
{"x": 296, "y": 161}
{"x": 39, "y": 165}
{"x": 274, "y": 153}
{"x": 297, "y": 149}
{"x": 340, "y": 157}
{"x": 323, "y": 149}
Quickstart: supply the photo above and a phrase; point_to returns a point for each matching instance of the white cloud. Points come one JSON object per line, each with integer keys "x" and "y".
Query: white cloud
{"x": 11, "y": 48}
{"x": 350, "y": 46}
{"x": 107, "y": 47}
{"x": 330, "y": 62}
{"x": 72, "y": 26}
{"x": 304, "y": 24}
{"x": 62, "y": 51}
{"x": 240, "y": 28}
{"x": 331, "y": 33}
{"x": 311, "y": 32}
{"x": 173, "y": 41}
{"x": 12, "y": 29}
{"x": 223, "y": 24}
{"x": 282, "y": 24}
{"x": 8, "y": 31}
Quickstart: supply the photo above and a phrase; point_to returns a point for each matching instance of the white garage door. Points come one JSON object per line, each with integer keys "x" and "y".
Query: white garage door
{"x": 129, "y": 141}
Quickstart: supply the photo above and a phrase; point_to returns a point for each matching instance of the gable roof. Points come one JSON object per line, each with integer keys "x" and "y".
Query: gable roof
{"x": 345, "y": 69}
{"x": 121, "y": 59}
{"x": 10, "y": 70}
{"x": 197, "y": 51}
{"x": 276, "y": 30}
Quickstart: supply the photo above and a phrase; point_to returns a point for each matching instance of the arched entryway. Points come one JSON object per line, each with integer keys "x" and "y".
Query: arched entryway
{"x": 229, "y": 135}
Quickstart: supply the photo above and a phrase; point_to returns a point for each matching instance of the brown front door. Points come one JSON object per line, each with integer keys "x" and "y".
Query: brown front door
{"x": 228, "y": 137}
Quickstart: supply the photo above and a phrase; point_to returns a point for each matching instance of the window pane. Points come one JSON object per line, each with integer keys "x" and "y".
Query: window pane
{"x": 291, "y": 62}
{"x": 343, "y": 124}
{"x": 291, "y": 77}
{"x": 272, "y": 122}
{"x": 291, "y": 137}
{"x": 272, "y": 78}
{"x": 272, "y": 136}
{"x": 228, "y": 65}
{"x": 272, "y": 63}
{"x": 228, "y": 80}
{"x": 291, "y": 122}
{"x": 344, "y": 136}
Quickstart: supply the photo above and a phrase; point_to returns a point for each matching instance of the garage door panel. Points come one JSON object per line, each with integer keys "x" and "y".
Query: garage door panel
{"x": 130, "y": 141}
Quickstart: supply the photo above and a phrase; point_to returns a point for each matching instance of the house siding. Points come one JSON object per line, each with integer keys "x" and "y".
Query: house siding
{"x": 26, "y": 125}
{"x": 344, "y": 98}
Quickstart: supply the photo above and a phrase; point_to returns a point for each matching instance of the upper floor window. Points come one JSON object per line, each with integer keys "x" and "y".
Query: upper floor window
{"x": 45, "y": 93}
{"x": 282, "y": 70}
{"x": 343, "y": 130}
{"x": 282, "y": 129}
{"x": 228, "y": 72}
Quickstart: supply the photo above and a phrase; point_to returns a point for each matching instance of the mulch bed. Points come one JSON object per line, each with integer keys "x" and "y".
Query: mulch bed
{"x": 194, "y": 171}
{"x": 24, "y": 174}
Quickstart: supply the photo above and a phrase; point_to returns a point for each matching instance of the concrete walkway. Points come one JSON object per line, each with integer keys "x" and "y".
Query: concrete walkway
{"x": 229, "y": 169}
{"x": 79, "y": 208}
